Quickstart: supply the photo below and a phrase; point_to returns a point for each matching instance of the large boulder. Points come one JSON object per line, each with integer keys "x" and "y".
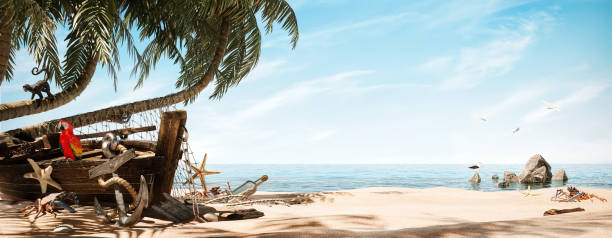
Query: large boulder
{"x": 495, "y": 177}
{"x": 475, "y": 178}
{"x": 510, "y": 177}
{"x": 560, "y": 175}
{"x": 537, "y": 170}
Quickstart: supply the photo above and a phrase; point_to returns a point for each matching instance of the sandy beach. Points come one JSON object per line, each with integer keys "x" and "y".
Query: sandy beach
{"x": 368, "y": 212}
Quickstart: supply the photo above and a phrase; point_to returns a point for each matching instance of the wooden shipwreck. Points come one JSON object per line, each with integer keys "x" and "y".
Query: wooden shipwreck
{"x": 155, "y": 160}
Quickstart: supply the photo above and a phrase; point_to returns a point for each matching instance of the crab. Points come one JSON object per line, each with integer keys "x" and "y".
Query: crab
{"x": 49, "y": 203}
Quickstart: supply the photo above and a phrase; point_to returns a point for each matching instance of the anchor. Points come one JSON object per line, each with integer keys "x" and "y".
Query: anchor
{"x": 123, "y": 219}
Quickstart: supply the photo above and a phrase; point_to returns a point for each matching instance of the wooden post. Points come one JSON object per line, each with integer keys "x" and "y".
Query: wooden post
{"x": 168, "y": 145}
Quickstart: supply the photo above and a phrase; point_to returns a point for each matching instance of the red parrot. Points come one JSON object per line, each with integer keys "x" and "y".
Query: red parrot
{"x": 69, "y": 143}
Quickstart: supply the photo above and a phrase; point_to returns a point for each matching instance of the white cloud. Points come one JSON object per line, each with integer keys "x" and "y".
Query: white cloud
{"x": 477, "y": 64}
{"x": 579, "y": 96}
{"x": 293, "y": 94}
{"x": 436, "y": 64}
{"x": 322, "y": 135}
{"x": 453, "y": 11}
{"x": 518, "y": 97}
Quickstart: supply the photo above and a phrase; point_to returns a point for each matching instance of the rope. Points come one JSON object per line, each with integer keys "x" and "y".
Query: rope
{"x": 125, "y": 184}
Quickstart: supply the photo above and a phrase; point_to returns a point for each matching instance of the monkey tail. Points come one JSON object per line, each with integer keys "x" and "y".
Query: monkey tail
{"x": 36, "y": 71}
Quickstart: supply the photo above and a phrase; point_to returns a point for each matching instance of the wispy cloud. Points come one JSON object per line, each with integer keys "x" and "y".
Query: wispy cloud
{"x": 453, "y": 11}
{"x": 323, "y": 135}
{"x": 436, "y": 64}
{"x": 516, "y": 98}
{"x": 579, "y": 96}
{"x": 477, "y": 64}
{"x": 310, "y": 37}
{"x": 293, "y": 94}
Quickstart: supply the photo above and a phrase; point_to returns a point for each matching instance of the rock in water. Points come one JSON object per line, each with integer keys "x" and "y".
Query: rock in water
{"x": 495, "y": 177}
{"x": 510, "y": 177}
{"x": 475, "y": 178}
{"x": 537, "y": 170}
{"x": 560, "y": 175}
{"x": 504, "y": 184}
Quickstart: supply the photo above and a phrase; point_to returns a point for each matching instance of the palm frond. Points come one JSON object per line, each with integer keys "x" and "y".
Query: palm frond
{"x": 242, "y": 55}
{"x": 279, "y": 11}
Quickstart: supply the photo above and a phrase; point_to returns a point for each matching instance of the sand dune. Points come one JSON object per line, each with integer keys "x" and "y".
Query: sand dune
{"x": 369, "y": 212}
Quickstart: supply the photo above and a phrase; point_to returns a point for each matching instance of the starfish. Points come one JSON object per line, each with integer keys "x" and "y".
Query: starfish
{"x": 200, "y": 172}
{"x": 43, "y": 176}
{"x": 528, "y": 193}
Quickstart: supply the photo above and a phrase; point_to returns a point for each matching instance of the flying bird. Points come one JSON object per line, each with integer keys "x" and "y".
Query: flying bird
{"x": 476, "y": 166}
{"x": 70, "y": 145}
{"x": 483, "y": 118}
{"x": 551, "y": 106}
{"x": 516, "y": 130}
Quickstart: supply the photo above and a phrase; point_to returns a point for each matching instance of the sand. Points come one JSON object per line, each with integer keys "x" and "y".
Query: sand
{"x": 369, "y": 212}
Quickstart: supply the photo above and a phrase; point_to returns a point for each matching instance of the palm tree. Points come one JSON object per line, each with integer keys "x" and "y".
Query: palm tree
{"x": 209, "y": 39}
{"x": 95, "y": 28}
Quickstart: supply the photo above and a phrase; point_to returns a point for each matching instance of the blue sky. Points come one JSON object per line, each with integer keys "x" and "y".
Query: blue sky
{"x": 399, "y": 82}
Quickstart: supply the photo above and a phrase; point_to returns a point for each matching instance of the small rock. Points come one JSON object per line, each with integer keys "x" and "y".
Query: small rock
{"x": 475, "y": 178}
{"x": 510, "y": 177}
{"x": 211, "y": 217}
{"x": 64, "y": 228}
{"x": 560, "y": 175}
{"x": 495, "y": 177}
{"x": 504, "y": 184}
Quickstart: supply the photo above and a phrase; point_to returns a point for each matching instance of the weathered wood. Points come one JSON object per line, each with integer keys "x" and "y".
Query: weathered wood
{"x": 36, "y": 156}
{"x": 45, "y": 154}
{"x": 168, "y": 145}
{"x": 51, "y": 141}
{"x": 74, "y": 177}
{"x": 24, "y": 148}
{"x": 112, "y": 165}
{"x": 118, "y": 132}
{"x": 140, "y": 145}
{"x": 171, "y": 210}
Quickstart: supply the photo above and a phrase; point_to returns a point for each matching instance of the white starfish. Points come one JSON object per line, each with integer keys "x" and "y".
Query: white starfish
{"x": 43, "y": 176}
{"x": 551, "y": 106}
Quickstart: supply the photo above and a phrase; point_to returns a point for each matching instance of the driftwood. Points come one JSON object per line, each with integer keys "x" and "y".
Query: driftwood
{"x": 561, "y": 211}
{"x": 119, "y": 132}
{"x": 171, "y": 210}
{"x": 240, "y": 214}
{"x": 113, "y": 164}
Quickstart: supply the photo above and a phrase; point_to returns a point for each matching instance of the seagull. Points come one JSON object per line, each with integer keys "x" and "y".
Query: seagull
{"x": 516, "y": 130}
{"x": 476, "y": 167}
{"x": 483, "y": 118}
{"x": 551, "y": 106}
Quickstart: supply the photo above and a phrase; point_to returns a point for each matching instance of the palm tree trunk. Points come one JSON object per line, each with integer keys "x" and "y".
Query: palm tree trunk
{"x": 29, "y": 107}
{"x": 5, "y": 40}
{"x": 140, "y": 106}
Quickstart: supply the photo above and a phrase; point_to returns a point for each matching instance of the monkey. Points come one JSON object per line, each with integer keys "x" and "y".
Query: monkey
{"x": 40, "y": 86}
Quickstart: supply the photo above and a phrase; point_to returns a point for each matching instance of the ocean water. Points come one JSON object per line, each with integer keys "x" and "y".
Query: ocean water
{"x": 329, "y": 177}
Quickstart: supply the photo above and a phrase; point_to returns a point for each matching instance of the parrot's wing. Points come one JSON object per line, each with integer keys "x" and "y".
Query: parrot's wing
{"x": 75, "y": 146}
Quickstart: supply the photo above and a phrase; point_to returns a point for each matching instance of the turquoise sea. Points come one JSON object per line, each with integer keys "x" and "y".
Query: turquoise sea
{"x": 329, "y": 177}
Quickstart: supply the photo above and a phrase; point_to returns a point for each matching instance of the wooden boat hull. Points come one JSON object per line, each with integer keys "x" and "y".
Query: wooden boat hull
{"x": 74, "y": 177}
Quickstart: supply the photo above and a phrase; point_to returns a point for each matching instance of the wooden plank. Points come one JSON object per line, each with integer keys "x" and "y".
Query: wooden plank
{"x": 140, "y": 145}
{"x": 51, "y": 141}
{"x": 113, "y": 164}
{"x": 169, "y": 146}
{"x": 125, "y": 131}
